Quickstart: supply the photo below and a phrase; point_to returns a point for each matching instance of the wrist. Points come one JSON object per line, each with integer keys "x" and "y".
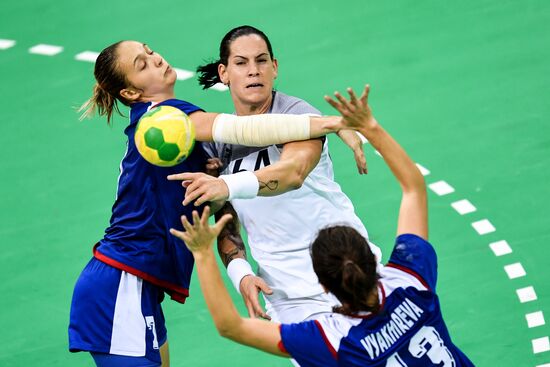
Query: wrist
{"x": 237, "y": 269}
{"x": 241, "y": 185}
{"x": 203, "y": 254}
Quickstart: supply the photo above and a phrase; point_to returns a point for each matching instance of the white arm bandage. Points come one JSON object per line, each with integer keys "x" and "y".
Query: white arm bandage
{"x": 241, "y": 185}
{"x": 237, "y": 269}
{"x": 260, "y": 130}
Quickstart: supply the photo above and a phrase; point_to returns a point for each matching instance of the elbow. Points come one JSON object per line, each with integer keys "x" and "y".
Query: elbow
{"x": 297, "y": 176}
{"x": 295, "y": 181}
{"x": 228, "y": 330}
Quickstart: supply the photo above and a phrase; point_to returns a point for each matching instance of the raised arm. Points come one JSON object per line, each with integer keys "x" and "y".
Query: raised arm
{"x": 413, "y": 212}
{"x": 199, "y": 238}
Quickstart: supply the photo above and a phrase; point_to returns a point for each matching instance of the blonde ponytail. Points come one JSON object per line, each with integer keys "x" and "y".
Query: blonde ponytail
{"x": 110, "y": 81}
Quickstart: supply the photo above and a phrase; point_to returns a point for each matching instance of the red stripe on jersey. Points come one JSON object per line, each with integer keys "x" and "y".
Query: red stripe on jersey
{"x": 177, "y": 293}
{"x": 410, "y": 272}
{"x": 327, "y": 342}
{"x": 280, "y": 344}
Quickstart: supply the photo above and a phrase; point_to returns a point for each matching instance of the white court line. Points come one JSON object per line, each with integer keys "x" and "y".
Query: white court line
{"x": 423, "y": 170}
{"x": 5, "y": 44}
{"x": 526, "y": 294}
{"x": 535, "y": 319}
{"x": 183, "y": 74}
{"x": 463, "y": 207}
{"x": 544, "y": 365}
{"x": 500, "y": 248}
{"x": 441, "y": 188}
{"x": 515, "y": 271}
{"x": 220, "y": 87}
{"x": 47, "y": 50}
{"x": 89, "y": 56}
{"x": 483, "y": 226}
{"x": 541, "y": 345}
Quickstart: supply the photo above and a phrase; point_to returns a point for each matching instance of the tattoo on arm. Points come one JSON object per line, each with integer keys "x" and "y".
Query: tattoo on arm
{"x": 270, "y": 185}
{"x": 230, "y": 242}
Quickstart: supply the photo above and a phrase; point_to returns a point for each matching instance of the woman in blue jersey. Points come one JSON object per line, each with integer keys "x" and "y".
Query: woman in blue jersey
{"x": 115, "y": 311}
{"x": 389, "y": 318}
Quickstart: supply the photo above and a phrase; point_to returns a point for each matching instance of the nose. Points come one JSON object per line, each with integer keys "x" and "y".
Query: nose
{"x": 253, "y": 69}
{"x": 158, "y": 60}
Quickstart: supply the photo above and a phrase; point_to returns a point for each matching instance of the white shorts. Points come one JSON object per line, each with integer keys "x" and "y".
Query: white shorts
{"x": 291, "y": 310}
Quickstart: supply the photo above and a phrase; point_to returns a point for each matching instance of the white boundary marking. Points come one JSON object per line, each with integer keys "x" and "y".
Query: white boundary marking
{"x": 5, "y": 44}
{"x": 515, "y": 270}
{"x": 46, "y": 50}
{"x": 535, "y": 319}
{"x": 500, "y": 248}
{"x": 463, "y": 207}
{"x": 441, "y": 188}
{"x": 89, "y": 56}
{"x": 483, "y": 227}
{"x": 541, "y": 345}
{"x": 526, "y": 294}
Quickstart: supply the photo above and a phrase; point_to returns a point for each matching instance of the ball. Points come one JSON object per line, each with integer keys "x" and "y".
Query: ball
{"x": 165, "y": 136}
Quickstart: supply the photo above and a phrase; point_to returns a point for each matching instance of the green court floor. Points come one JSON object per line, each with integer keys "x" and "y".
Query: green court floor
{"x": 464, "y": 86}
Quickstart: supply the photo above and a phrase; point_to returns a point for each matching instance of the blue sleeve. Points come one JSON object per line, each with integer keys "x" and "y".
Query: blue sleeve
{"x": 417, "y": 255}
{"x": 186, "y": 107}
{"x": 306, "y": 343}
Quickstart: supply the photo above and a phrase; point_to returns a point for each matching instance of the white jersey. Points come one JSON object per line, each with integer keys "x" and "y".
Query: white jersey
{"x": 281, "y": 228}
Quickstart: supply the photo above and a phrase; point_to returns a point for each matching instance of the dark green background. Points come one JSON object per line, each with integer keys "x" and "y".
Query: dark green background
{"x": 464, "y": 86}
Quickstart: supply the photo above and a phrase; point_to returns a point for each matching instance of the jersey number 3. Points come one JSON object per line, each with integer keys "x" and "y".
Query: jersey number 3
{"x": 426, "y": 342}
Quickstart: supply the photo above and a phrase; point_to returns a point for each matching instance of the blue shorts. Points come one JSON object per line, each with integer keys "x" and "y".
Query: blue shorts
{"x": 114, "y": 312}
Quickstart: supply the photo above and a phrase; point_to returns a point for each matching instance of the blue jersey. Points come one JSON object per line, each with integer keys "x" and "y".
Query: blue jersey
{"x": 407, "y": 331}
{"x": 138, "y": 240}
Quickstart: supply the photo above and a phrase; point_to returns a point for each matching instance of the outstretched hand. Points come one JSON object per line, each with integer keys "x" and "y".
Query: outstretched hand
{"x": 200, "y": 236}
{"x": 356, "y": 112}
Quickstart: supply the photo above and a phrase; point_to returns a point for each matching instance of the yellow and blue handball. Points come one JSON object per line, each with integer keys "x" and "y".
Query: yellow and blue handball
{"x": 165, "y": 136}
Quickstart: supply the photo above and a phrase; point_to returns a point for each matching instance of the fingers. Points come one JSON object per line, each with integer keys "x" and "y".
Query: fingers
{"x": 361, "y": 161}
{"x": 365, "y": 95}
{"x": 196, "y": 219}
{"x": 186, "y": 225}
{"x": 344, "y": 101}
{"x": 263, "y": 286}
{"x": 179, "y": 234}
{"x": 221, "y": 223}
{"x": 352, "y": 96}
{"x": 193, "y": 194}
{"x": 250, "y": 309}
{"x": 252, "y": 303}
{"x": 333, "y": 103}
{"x": 205, "y": 216}
{"x": 183, "y": 176}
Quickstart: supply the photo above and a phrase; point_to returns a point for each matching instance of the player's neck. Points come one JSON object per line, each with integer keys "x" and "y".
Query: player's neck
{"x": 158, "y": 97}
{"x": 245, "y": 109}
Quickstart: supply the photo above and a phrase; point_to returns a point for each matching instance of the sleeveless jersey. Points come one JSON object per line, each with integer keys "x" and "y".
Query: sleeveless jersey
{"x": 281, "y": 228}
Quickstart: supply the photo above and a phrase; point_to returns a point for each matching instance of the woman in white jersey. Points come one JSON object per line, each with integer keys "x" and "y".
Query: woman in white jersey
{"x": 389, "y": 317}
{"x": 299, "y": 173}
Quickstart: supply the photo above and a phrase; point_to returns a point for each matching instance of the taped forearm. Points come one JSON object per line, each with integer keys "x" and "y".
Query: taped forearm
{"x": 260, "y": 130}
